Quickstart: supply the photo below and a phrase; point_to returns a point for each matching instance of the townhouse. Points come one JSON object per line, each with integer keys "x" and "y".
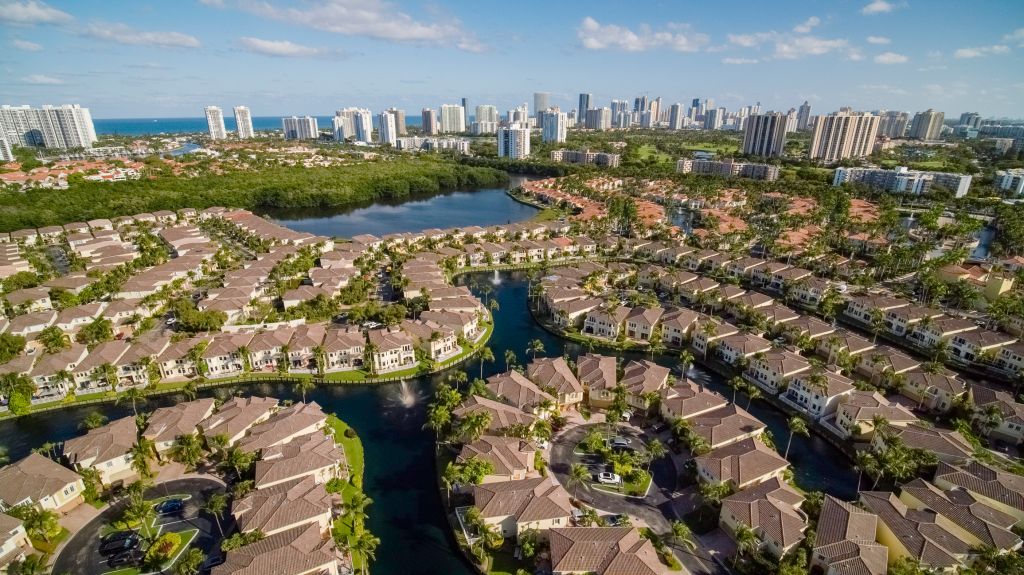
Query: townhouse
{"x": 314, "y": 455}
{"x": 437, "y": 342}
{"x": 239, "y": 414}
{"x": 920, "y": 535}
{"x": 817, "y": 393}
{"x": 51, "y": 374}
{"x": 106, "y": 449}
{"x": 742, "y": 464}
{"x": 223, "y": 355}
{"x": 599, "y": 375}
{"x": 709, "y": 332}
{"x": 677, "y": 326}
{"x": 980, "y": 345}
{"x": 166, "y": 424}
{"x": 391, "y": 350}
{"x": 772, "y": 510}
{"x": 845, "y": 542}
{"x": 284, "y": 506}
{"x": 936, "y": 391}
{"x": 511, "y": 458}
{"x": 862, "y": 308}
{"x": 306, "y": 347}
{"x": 884, "y": 362}
{"x": 302, "y": 550}
{"x": 605, "y": 322}
{"x": 856, "y": 414}
{"x": 602, "y": 551}
{"x": 1009, "y": 425}
{"x": 726, "y": 425}
{"x": 641, "y": 322}
{"x": 928, "y": 334}
{"x": 343, "y": 350}
{"x": 902, "y": 319}
{"x": 516, "y": 506}
{"x": 513, "y": 388}
{"x": 99, "y": 369}
{"x": 176, "y": 361}
{"x": 735, "y": 349}
{"x": 808, "y": 291}
{"x": 687, "y": 400}
{"x": 501, "y": 415}
{"x": 643, "y": 380}
{"x": 283, "y": 426}
{"x": 774, "y": 369}
{"x": 555, "y": 375}
{"x": 963, "y": 515}
{"x": 946, "y": 445}
{"x": 997, "y": 489}
{"x": 40, "y": 482}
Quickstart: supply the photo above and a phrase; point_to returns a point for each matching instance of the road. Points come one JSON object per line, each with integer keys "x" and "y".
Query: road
{"x": 81, "y": 556}
{"x": 655, "y": 509}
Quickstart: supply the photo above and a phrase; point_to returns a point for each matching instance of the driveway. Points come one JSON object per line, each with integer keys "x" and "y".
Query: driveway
{"x": 81, "y": 555}
{"x": 655, "y": 510}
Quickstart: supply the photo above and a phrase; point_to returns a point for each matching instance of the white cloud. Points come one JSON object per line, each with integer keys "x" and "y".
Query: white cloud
{"x": 739, "y": 60}
{"x": 792, "y": 46}
{"x": 932, "y": 68}
{"x": 750, "y": 40}
{"x": 280, "y": 48}
{"x": 214, "y": 3}
{"x": 31, "y": 12}
{"x": 42, "y": 79}
{"x": 26, "y": 46}
{"x": 891, "y": 58}
{"x": 979, "y": 51}
{"x": 595, "y": 36}
{"x": 1016, "y": 36}
{"x": 124, "y": 34}
{"x": 877, "y": 7}
{"x": 878, "y": 40}
{"x": 807, "y": 25}
{"x": 370, "y": 18}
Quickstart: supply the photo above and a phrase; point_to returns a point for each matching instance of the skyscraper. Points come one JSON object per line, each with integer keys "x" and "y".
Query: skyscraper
{"x": 676, "y": 117}
{"x": 893, "y": 124}
{"x": 971, "y": 120}
{"x": 765, "y": 134}
{"x": 387, "y": 129}
{"x": 541, "y": 102}
{"x": 243, "y": 123}
{"x": 430, "y": 123}
{"x": 513, "y": 143}
{"x": 599, "y": 119}
{"x": 713, "y": 118}
{"x": 655, "y": 110}
{"x": 362, "y": 121}
{"x": 486, "y": 113}
{"x": 803, "y": 116}
{"x": 553, "y": 126}
{"x": 927, "y": 125}
{"x": 399, "y": 120}
{"x": 581, "y": 112}
{"x": 67, "y": 126}
{"x": 640, "y": 104}
{"x": 215, "y": 123}
{"x": 842, "y": 135}
{"x": 296, "y": 128}
{"x": 6, "y": 155}
{"x": 453, "y": 118}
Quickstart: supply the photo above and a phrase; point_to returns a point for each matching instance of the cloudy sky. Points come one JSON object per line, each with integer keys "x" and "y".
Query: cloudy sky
{"x": 169, "y": 58}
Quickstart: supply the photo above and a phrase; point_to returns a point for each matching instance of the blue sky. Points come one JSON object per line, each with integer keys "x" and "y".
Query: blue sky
{"x": 172, "y": 57}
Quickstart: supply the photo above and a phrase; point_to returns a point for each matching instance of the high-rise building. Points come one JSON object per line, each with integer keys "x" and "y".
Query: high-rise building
{"x": 453, "y": 118}
{"x": 599, "y": 119}
{"x": 486, "y": 113}
{"x": 553, "y": 126}
{"x": 765, "y": 134}
{"x": 518, "y": 115}
{"x": 927, "y": 125}
{"x": 803, "y": 116}
{"x": 713, "y": 118}
{"x": 243, "y": 123}
{"x": 971, "y": 120}
{"x": 842, "y": 135}
{"x": 67, "y": 126}
{"x": 1011, "y": 180}
{"x": 903, "y": 180}
{"x": 655, "y": 110}
{"x": 362, "y": 121}
{"x": 430, "y": 124}
{"x": 353, "y": 123}
{"x": 465, "y": 106}
{"x": 541, "y": 102}
{"x": 296, "y": 128}
{"x": 676, "y": 118}
{"x": 215, "y": 123}
{"x": 399, "y": 120}
{"x": 387, "y": 130}
{"x": 640, "y": 104}
{"x": 581, "y": 112}
{"x": 6, "y": 154}
{"x": 513, "y": 143}
{"x": 893, "y": 124}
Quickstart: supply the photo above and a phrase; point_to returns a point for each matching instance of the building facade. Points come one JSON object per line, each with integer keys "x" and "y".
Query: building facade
{"x": 243, "y": 123}
{"x": 67, "y": 126}
{"x": 843, "y": 135}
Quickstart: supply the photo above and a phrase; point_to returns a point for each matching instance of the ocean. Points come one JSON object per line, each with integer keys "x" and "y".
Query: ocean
{"x": 152, "y": 126}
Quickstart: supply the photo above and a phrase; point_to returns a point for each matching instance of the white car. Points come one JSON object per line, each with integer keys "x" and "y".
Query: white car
{"x": 609, "y": 477}
{"x": 544, "y": 444}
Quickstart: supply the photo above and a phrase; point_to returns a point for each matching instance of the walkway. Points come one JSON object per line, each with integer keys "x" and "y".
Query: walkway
{"x": 656, "y": 510}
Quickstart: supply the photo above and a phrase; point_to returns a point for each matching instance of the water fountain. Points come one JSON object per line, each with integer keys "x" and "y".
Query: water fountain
{"x": 407, "y": 397}
{"x": 496, "y": 280}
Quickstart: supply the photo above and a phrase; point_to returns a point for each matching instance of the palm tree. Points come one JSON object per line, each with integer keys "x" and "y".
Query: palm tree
{"x": 303, "y": 386}
{"x": 191, "y": 562}
{"x": 797, "y": 426}
{"x": 736, "y": 383}
{"x": 187, "y": 449}
{"x": 473, "y": 425}
{"x": 865, "y": 462}
{"x": 132, "y": 394}
{"x": 682, "y": 534}
{"x": 485, "y": 354}
{"x": 356, "y": 510}
{"x": 510, "y": 359}
{"x": 578, "y": 475}
{"x": 365, "y": 544}
{"x": 215, "y": 506}
{"x": 746, "y": 542}
{"x": 190, "y": 390}
{"x": 685, "y": 361}
{"x": 142, "y": 452}
{"x": 238, "y": 460}
{"x": 753, "y": 392}
{"x": 534, "y": 347}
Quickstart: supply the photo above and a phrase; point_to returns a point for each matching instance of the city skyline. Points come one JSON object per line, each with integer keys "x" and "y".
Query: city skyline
{"x": 127, "y": 60}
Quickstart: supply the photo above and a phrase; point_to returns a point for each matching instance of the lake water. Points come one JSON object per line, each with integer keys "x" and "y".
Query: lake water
{"x": 407, "y": 513}
{"x": 486, "y": 207}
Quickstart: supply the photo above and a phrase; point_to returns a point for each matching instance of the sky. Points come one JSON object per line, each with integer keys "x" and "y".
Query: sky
{"x": 170, "y": 58}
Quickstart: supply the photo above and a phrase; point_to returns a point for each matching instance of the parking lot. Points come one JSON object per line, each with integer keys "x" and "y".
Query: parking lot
{"x": 82, "y": 556}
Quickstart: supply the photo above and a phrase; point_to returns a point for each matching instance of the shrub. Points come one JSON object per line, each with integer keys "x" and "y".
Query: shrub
{"x": 335, "y": 485}
{"x": 162, "y": 549}
{"x": 350, "y": 433}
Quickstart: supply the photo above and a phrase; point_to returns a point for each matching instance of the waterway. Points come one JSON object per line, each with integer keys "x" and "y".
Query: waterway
{"x": 407, "y": 512}
{"x": 485, "y": 207}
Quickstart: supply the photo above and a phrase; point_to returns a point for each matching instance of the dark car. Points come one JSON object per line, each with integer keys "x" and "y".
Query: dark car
{"x": 169, "y": 506}
{"x": 615, "y": 520}
{"x": 125, "y": 558}
{"x": 120, "y": 546}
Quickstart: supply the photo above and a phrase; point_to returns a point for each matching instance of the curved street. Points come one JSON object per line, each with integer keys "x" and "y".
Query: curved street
{"x": 81, "y": 556}
{"x": 656, "y": 510}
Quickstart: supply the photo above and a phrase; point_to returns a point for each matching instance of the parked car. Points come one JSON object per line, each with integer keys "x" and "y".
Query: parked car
{"x": 169, "y": 506}
{"x": 116, "y": 536}
{"x": 608, "y": 477}
{"x": 621, "y": 441}
{"x": 128, "y": 558}
{"x": 615, "y": 520}
{"x": 543, "y": 444}
{"x": 120, "y": 546}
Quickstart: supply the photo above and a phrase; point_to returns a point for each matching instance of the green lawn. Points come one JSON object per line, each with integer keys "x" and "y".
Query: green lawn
{"x": 48, "y": 547}
{"x": 649, "y": 150}
{"x": 503, "y": 562}
{"x": 187, "y": 537}
{"x": 343, "y": 530}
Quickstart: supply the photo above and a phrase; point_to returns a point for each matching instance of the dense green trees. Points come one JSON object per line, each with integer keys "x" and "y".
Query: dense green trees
{"x": 272, "y": 187}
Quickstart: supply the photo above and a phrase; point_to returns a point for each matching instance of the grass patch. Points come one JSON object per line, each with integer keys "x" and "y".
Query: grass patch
{"x": 343, "y": 530}
{"x": 648, "y": 151}
{"x": 503, "y": 561}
